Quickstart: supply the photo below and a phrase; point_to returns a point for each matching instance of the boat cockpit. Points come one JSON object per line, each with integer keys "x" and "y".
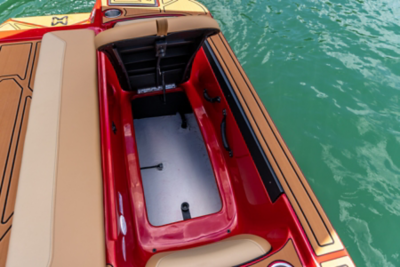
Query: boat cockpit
{"x": 147, "y": 146}
{"x": 168, "y": 139}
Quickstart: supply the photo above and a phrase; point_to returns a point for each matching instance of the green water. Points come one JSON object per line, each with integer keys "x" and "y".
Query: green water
{"x": 328, "y": 73}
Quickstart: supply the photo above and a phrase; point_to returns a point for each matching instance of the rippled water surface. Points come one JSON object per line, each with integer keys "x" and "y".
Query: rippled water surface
{"x": 329, "y": 74}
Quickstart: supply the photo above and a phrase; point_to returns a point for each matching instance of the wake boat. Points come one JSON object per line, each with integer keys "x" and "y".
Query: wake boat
{"x": 131, "y": 136}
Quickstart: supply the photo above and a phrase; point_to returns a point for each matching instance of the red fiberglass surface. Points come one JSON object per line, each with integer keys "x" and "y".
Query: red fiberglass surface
{"x": 246, "y": 207}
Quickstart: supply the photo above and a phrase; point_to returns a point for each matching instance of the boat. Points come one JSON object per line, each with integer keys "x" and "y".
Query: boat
{"x": 131, "y": 136}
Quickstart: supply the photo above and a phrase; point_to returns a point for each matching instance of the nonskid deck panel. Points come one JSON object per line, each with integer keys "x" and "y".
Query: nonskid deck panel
{"x": 40, "y": 22}
{"x": 18, "y": 63}
{"x": 319, "y": 230}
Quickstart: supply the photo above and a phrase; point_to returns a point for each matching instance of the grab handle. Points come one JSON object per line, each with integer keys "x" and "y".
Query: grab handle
{"x": 209, "y": 98}
{"x": 223, "y": 134}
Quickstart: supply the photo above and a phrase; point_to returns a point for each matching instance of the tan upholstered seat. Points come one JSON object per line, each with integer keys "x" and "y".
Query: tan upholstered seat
{"x": 148, "y": 53}
{"x": 128, "y": 22}
{"x": 228, "y": 252}
{"x": 59, "y": 219}
{"x": 148, "y": 27}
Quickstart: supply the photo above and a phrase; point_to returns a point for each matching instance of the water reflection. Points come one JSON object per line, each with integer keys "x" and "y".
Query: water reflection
{"x": 328, "y": 73}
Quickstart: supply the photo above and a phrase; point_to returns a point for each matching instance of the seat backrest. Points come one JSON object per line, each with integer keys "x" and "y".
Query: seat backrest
{"x": 59, "y": 212}
{"x": 233, "y": 251}
{"x": 155, "y": 51}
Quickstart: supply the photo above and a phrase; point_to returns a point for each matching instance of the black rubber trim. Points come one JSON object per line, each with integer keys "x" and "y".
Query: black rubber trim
{"x": 264, "y": 168}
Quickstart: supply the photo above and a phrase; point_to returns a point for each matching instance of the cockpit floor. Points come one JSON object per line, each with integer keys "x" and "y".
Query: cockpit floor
{"x": 186, "y": 174}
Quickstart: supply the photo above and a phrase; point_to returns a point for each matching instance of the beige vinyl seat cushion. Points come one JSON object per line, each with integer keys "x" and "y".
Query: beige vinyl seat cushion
{"x": 134, "y": 21}
{"x": 59, "y": 219}
{"x": 147, "y": 53}
{"x": 148, "y": 27}
{"x": 226, "y": 253}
